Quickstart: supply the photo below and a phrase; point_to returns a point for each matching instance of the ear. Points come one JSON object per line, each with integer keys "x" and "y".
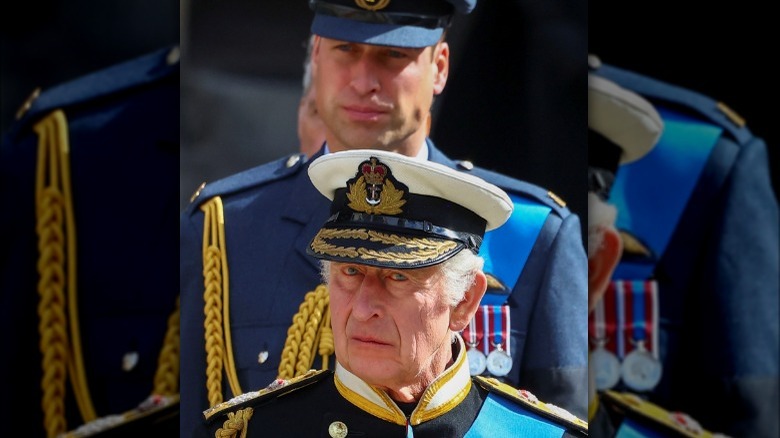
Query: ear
{"x": 315, "y": 51}
{"x": 602, "y": 264}
{"x": 441, "y": 62}
{"x": 465, "y": 310}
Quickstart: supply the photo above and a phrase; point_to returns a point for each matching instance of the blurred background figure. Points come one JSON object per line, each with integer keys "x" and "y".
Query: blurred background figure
{"x": 311, "y": 130}
{"x": 699, "y": 214}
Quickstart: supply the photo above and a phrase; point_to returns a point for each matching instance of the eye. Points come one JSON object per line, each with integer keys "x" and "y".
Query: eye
{"x": 344, "y": 47}
{"x": 396, "y": 54}
{"x": 350, "y": 270}
{"x": 397, "y": 276}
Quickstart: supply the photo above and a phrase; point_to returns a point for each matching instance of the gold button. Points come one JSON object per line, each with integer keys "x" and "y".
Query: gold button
{"x": 262, "y": 357}
{"x": 197, "y": 192}
{"x": 129, "y": 361}
{"x": 293, "y": 160}
{"x": 173, "y": 56}
{"x": 466, "y": 164}
{"x": 28, "y": 103}
{"x": 337, "y": 429}
{"x": 557, "y": 199}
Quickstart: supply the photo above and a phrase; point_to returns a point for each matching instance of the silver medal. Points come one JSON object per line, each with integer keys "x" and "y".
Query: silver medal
{"x": 499, "y": 363}
{"x": 607, "y": 368}
{"x": 477, "y": 361}
{"x": 640, "y": 370}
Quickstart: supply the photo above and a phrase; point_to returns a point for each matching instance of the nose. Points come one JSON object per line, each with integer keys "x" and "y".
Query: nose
{"x": 367, "y": 303}
{"x": 365, "y": 79}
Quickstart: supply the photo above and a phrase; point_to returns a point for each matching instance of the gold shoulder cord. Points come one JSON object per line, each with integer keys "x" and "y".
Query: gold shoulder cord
{"x": 216, "y": 296}
{"x": 236, "y": 422}
{"x": 166, "y": 377}
{"x": 310, "y": 330}
{"x": 53, "y": 208}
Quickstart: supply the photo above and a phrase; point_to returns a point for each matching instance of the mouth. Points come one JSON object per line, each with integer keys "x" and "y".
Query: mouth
{"x": 368, "y": 340}
{"x": 364, "y": 113}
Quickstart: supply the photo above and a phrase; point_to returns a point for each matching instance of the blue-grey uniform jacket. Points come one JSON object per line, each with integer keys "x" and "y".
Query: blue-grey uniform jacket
{"x": 714, "y": 244}
{"x": 271, "y": 213}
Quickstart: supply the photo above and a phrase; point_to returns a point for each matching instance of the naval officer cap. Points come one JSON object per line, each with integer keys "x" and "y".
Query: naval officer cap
{"x": 622, "y": 128}
{"x": 393, "y": 211}
{"x": 397, "y": 23}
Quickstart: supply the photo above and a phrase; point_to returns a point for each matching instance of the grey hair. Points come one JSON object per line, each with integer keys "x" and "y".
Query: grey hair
{"x": 601, "y": 216}
{"x": 458, "y": 274}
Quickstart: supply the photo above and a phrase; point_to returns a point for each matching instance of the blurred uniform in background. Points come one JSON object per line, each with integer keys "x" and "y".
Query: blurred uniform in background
{"x": 623, "y": 129}
{"x": 691, "y": 313}
{"x": 89, "y": 177}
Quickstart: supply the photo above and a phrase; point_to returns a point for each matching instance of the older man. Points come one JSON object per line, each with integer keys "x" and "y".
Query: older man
{"x": 399, "y": 256}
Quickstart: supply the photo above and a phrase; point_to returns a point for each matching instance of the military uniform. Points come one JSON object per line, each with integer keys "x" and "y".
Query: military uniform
{"x": 711, "y": 245}
{"x": 89, "y": 179}
{"x": 328, "y": 404}
{"x": 275, "y": 206}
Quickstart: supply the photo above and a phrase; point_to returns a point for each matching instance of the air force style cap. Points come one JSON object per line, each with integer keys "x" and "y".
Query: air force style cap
{"x": 397, "y": 23}
{"x": 393, "y": 211}
{"x": 622, "y": 128}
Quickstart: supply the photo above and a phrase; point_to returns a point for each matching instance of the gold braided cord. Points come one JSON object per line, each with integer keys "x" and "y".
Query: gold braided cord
{"x": 166, "y": 377}
{"x": 326, "y": 339}
{"x": 309, "y": 332}
{"x": 237, "y": 422}
{"x": 54, "y": 211}
{"x": 230, "y": 363}
{"x": 212, "y": 298}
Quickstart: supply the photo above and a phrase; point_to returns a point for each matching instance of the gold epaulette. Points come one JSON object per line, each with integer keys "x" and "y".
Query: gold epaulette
{"x": 154, "y": 410}
{"x": 652, "y": 415}
{"x": 530, "y": 402}
{"x": 276, "y": 388}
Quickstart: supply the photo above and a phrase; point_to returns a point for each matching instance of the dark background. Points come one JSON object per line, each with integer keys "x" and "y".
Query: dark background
{"x": 46, "y": 42}
{"x": 725, "y": 51}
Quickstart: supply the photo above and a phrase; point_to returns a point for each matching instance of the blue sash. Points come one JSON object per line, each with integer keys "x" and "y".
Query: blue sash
{"x": 631, "y": 429}
{"x": 506, "y": 248}
{"x": 500, "y": 417}
{"x": 651, "y": 194}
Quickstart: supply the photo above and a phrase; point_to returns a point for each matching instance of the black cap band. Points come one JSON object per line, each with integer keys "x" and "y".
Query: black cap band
{"x": 603, "y": 161}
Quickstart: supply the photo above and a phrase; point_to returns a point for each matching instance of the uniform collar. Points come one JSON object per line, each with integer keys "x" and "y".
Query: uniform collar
{"x": 441, "y": 396}
{"x": 422, "y": 154}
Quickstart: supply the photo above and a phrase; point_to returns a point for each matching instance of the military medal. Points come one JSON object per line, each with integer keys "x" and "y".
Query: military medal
{"x": 640, "y": 370}
{"x": 607, "y": 367}
{"x": 499, "y": 362}
{"x": 603, "y": 361}
{"x": 475, "y": 357}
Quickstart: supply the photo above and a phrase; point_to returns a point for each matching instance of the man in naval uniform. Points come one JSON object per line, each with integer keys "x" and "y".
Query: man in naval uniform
{"x": 89, "y": 182}
{"x": 623, "y": 128}
{"x": 245, "y": 271}
{"x": 399, "y": 257}
{"x": 700, "y": 222}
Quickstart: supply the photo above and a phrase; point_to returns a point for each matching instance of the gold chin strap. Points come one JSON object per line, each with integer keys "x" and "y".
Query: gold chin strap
{"x": 310, "y": 331}
{"x": 216, "y": 296}
{"x": 56, "y": 231}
